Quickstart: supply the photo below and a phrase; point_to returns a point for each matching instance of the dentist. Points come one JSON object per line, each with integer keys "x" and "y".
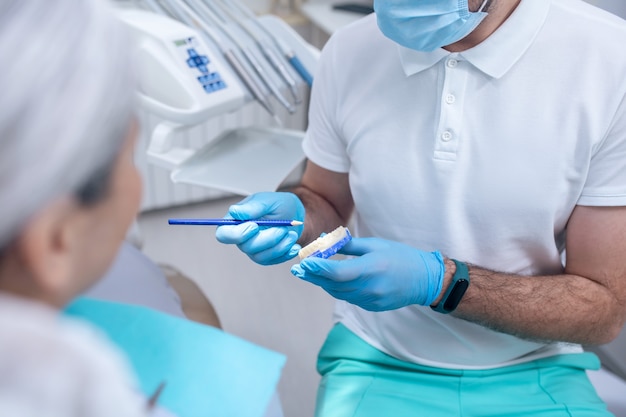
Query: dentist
{"x": 478, "y": 151}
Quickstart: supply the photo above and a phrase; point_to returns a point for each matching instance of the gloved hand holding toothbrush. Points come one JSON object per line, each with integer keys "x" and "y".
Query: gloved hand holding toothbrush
{"x": 265, "y": 245}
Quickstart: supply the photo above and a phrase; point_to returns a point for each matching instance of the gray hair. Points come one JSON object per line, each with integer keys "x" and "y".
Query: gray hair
{"x": 66, "y": 101}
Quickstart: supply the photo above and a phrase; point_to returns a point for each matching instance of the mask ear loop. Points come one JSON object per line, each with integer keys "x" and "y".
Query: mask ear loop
{"x": 482, "y": 6}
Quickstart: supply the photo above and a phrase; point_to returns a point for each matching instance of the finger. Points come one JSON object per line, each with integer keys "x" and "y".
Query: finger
{"x": 236, "y": 234}
{"x": 329, "y": 285}
{"x": 249, "y": 208}
{"x": 265, "y": 239}
{"x": 281, "y": 252}
{"x": 305, "y": 275}
{"x": 274, "y": 259}
{"x": 361, "y": 246}
{"x": 340, "y": 271}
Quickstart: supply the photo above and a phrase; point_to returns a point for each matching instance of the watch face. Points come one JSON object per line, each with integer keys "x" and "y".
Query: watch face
{"x": 454, "y": 298}
{"x": 455, "y": 292}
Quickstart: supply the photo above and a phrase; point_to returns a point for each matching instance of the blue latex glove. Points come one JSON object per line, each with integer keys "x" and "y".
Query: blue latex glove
{"x": 384, "y": 275}
{"x": 263, "y": 244}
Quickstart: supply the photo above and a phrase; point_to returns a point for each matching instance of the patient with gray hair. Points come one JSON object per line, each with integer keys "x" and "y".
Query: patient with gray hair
{"x": 69, "y": 191}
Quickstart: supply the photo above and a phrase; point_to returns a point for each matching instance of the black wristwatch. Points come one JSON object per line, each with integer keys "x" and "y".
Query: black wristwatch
{"x": 456, "y": 289}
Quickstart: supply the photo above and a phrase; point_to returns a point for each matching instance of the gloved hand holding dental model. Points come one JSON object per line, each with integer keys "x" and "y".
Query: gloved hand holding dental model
{"x": 383, "y": 275}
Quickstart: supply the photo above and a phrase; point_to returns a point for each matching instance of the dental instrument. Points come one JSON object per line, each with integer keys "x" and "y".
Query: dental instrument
{"x": 186, "y": 15}
{"x": 289, "y": 53}
{"x": 216, "y": 18}
{"x": 152, "y": 401}
{"x": 231, "y": 222}
{"x": 155, "y": 7}
{"x": 269, "y": 52}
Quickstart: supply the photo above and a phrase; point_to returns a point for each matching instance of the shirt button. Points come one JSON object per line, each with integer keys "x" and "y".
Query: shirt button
{"x": 446, "y": 136}
{"x": 452, "y": 63}
{"x": 450, "y": 98}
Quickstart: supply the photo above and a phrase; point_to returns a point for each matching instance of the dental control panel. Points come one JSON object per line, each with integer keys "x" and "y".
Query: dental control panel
{"x": 200, "y": 65}
{"x": 181, "y": 79}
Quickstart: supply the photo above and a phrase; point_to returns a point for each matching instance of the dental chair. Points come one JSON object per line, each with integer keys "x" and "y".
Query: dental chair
{"x": 136, "y": 279}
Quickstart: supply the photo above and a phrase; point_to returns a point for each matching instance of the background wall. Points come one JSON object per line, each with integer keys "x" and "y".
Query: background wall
{"x": 614, "y": 6}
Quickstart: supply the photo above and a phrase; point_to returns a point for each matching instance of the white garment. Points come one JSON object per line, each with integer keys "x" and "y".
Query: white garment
{"x": 51, "y": 366}
{"x": 482, "y": 155}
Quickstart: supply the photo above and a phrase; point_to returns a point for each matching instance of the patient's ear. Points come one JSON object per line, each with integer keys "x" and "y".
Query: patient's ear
{"x": 46, "y": 248}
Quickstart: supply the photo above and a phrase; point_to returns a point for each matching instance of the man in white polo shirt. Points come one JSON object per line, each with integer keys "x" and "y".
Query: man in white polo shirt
{"x": 479, "y": 151}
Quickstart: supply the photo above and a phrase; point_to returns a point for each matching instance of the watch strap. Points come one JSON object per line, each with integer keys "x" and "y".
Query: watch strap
{"x": 455, "y": 291}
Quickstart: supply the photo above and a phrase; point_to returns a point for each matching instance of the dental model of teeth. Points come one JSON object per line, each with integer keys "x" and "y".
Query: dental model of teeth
{"x": 327, "y": 245}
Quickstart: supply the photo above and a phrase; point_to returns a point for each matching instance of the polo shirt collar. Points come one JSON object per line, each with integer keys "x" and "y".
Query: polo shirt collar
{"x": 497, "y": 54}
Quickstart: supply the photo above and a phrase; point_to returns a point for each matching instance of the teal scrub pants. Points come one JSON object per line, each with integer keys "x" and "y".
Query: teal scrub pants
{"x": 361, "y": 381}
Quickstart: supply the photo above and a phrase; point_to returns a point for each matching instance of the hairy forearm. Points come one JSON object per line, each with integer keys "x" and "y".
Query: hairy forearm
{"x": 566, "y": 308}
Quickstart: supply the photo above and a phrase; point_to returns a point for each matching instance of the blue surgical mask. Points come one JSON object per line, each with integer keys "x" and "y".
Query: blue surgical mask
{"x": 425, "y": 25}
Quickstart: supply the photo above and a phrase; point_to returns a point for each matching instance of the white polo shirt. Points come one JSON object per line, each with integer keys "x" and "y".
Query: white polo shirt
{"x": 482, "y": 155}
